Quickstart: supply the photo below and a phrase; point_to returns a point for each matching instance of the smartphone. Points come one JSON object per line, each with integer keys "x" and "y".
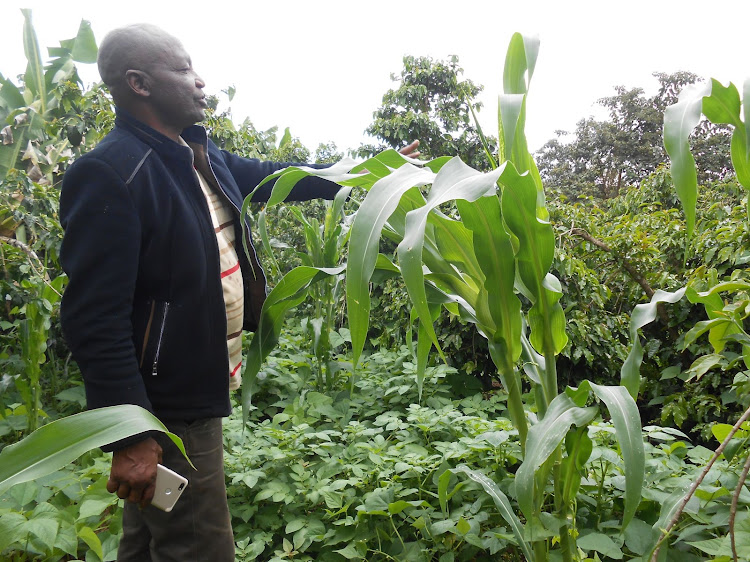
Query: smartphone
{"x": 169, "y": 488}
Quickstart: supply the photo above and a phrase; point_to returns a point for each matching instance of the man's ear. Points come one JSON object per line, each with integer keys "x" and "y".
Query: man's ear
{"x": 138, "y": 83}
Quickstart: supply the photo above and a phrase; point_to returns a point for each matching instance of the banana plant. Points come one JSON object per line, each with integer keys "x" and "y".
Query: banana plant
{"x": 26, "y": 112}
{"x": 483, "y": 265}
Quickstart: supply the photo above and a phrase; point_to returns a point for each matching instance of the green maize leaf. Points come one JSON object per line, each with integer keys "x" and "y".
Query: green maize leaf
{"x": 84, "y": 48}
{"x": 549, "y": 320}
{"x": 333, "y": 228}
{"x": 643, "y": 314}
{"x": 578, "y": 446}
{"x": 450, "y": 299}
{"x": 482, "y": 137}
{"x": 679, "y": 121}
{"x": 541, "y": 443}
{"x": 536, "y": 239}
{"x": 533, "y": 363}
{"x": 60, "y": 442}
{"x": 372, "y": 215}
{"x": 453, "y": 241}
{"x": 503, "y": 506}
{"x": 396, "y": 225}
{"x": 494, "y": 251}
{"x": 290, "y": 291}
{"x": 520, "y": 61}
{"x": 511, "y": 381}
{"x": 385, "y": 162}
{"x": 509, "y": 108}
{"x": 723, "y": 105}
{"x": 287, "y": 178}
{"x": 34, "y": 78}
{"x": 384, "y": 269}
{"x": 746, "y": 111}
{"x": 455, "y": 180}
{"x": 740, "y": 161}
{"x": 456, "y": 285}
{"x": 627, "y": 421}
{"x": 534, "y": 254}
{"x": 319, "y": 343}
{"x": 265, "y": 240}
{"x": 423, "y": 349}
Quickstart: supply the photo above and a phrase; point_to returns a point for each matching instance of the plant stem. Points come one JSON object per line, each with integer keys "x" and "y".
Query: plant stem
{"x": 540, "y": 551}
{"x": 733, "y": 509}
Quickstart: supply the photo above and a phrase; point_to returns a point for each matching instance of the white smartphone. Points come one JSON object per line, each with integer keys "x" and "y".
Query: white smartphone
{"x": 169, "y": 488}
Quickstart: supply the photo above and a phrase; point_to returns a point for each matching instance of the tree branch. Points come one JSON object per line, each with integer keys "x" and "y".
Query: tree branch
{"x": 634, "y": 274}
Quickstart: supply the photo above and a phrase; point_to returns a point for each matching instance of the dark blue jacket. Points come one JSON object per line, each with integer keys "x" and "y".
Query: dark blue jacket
{"x": 143, "y": 312}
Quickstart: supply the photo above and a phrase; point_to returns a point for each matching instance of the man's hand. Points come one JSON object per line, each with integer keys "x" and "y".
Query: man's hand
{"x": 410, "y": 150}
{"x": 133, "y": 474}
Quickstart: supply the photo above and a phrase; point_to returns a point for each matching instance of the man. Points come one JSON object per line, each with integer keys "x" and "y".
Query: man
{"x": 158, "y": 294}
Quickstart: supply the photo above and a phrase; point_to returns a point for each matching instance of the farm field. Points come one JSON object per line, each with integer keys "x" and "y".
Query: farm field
{"x": 485, "y": 354}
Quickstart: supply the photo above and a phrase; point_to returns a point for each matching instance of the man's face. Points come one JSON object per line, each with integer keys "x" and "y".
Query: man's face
{"x": 176, "y": 89}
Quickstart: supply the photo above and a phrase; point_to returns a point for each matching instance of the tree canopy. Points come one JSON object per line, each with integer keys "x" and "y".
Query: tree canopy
{"x": 600, "y": 158}
{"x": 431, "y": 102}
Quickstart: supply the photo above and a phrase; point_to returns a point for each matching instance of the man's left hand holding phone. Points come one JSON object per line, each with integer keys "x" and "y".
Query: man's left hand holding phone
{"x": 133, "y": 473}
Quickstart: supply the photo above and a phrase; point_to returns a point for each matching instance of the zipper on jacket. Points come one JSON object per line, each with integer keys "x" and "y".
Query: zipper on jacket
{"x": 147, "y": 333}
{"x": 161, "y": 336}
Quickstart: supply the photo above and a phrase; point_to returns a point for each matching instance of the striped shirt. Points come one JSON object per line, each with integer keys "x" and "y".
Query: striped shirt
{"x": 222, "y": 218}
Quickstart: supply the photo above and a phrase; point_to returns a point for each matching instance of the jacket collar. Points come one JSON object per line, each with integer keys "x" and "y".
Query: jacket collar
{"x": 159, "y": 142}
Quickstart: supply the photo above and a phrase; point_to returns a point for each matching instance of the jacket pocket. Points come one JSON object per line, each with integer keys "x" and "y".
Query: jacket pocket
{"x": 153, "y": 336}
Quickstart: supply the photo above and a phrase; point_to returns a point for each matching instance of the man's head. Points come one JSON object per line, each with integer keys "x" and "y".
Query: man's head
{"x": 150, "y": 74}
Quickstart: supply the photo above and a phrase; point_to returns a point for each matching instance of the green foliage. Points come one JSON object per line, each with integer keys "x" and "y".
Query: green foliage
{"x": 46, "y": 121}
{"x": 62, "y": 441}
{"x": 502, "y": 246}
{"x": 359, "y": 476}
{"x": 433, "y": 104}
{"x": 604, "y": 157}
{"x": 66, "y": 515}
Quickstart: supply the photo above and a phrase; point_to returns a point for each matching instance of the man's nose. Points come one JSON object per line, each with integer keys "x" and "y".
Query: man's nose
{"x": 199, "y": 82}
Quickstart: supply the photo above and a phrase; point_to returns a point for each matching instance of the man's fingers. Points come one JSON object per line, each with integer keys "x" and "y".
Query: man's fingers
{"x": 136, "y": 494}
{"x": 112, "y": 485}
{"x": 410, "y": 149}
{"x": 123, "y": 491}
{"x": 148, "y": 495}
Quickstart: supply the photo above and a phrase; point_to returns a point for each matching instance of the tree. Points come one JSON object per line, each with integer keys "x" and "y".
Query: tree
{"x": 327, "y": 153}
{"x": 605, "y": 156}
{"x": 430, "y": 103}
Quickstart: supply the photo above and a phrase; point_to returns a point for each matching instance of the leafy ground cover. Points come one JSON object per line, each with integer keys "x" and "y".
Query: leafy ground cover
{"x": 319, "y": 476}
{"x": 332, "y": 466}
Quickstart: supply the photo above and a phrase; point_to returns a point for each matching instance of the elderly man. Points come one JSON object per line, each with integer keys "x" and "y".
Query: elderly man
{"x": 158, "y": 293}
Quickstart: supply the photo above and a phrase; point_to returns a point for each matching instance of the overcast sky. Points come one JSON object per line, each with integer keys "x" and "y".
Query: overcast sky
{"x": 321, "y": 68}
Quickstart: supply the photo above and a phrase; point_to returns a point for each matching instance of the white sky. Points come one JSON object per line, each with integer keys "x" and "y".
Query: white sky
{"x": 321, "y": 68}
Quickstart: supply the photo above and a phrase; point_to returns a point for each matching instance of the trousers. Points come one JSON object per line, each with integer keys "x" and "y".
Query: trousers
{"x": 199, "y": 526}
